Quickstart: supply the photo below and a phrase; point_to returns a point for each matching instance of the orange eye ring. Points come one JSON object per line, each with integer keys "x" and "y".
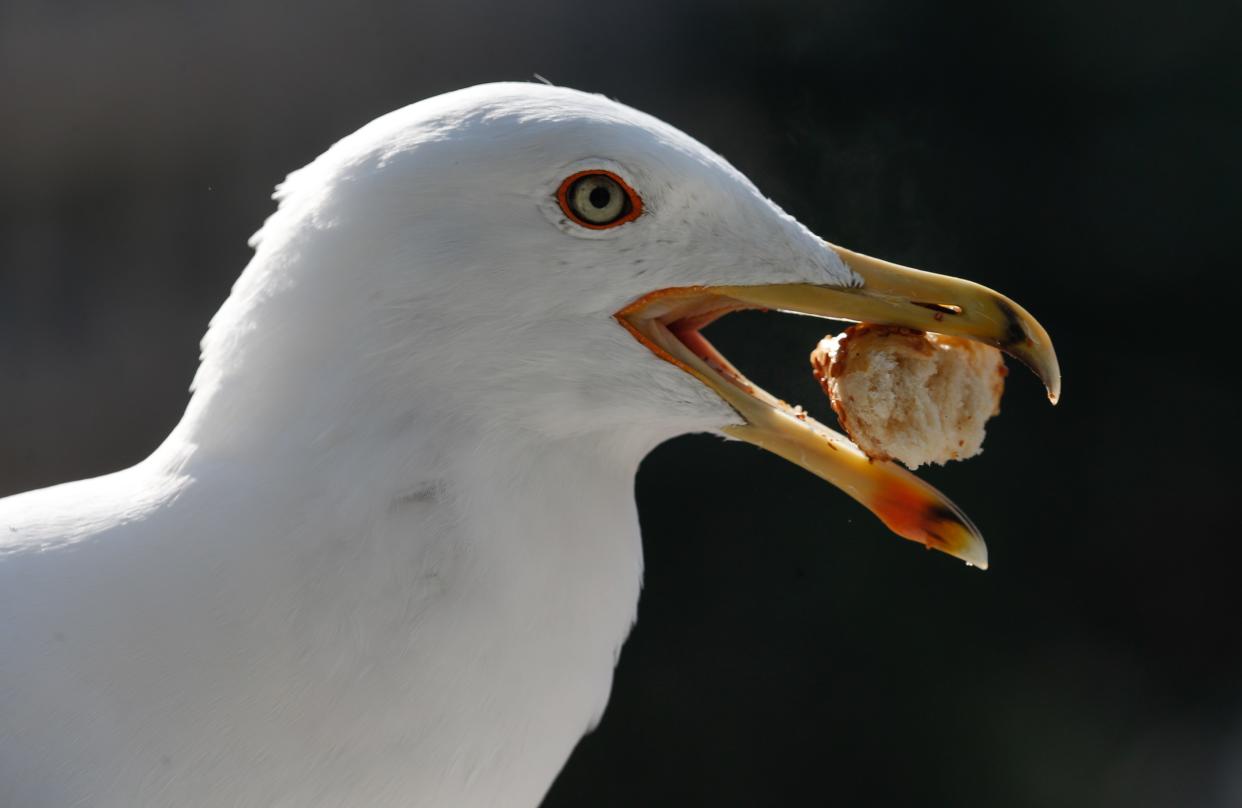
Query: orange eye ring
{"x": 567, "y": 195}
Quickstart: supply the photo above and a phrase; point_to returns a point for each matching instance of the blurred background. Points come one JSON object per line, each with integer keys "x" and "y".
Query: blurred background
{"x": 1082, "y": 157}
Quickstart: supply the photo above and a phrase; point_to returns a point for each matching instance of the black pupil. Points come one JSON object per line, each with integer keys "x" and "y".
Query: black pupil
{"x": 600, "y": 196}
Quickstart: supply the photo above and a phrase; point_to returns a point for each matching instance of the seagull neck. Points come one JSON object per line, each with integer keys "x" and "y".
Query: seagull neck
{"x": 460, "y": 638}
{"x": 549, "y": 533}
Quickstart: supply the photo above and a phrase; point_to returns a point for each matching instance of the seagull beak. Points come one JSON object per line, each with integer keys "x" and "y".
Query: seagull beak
{"x": 668, "y": 322}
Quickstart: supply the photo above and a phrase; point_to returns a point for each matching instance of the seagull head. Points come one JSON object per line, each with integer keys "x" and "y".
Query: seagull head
{"x": 518, "y": 258}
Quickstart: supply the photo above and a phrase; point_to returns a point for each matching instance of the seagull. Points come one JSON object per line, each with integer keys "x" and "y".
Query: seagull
{"x": 390, "y": 553}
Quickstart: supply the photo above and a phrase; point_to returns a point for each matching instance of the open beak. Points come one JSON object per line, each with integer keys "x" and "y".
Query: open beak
{"x": 668, "y": 322}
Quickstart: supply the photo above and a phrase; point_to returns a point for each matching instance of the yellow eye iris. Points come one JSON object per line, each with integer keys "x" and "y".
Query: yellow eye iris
{"x": 598, "y": 199}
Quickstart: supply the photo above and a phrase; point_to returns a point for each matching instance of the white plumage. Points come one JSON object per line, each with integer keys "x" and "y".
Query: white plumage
{"x": 390, "y": 553}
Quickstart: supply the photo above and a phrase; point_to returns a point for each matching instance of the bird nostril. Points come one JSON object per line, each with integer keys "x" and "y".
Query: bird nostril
{"x": 939, "y": 308}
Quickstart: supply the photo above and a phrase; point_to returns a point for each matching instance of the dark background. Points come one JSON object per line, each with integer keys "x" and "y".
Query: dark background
{"x": 1081, "y": 157}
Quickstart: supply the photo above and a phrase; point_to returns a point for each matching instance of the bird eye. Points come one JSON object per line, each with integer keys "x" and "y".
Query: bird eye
{"x": 598, "y": 199}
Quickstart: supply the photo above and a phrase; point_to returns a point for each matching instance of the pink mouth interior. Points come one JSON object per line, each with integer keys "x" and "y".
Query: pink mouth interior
{"x": 686, "y": 330}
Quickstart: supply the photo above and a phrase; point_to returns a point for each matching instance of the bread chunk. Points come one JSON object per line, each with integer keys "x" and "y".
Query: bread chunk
{"x": 908, "y": 395}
